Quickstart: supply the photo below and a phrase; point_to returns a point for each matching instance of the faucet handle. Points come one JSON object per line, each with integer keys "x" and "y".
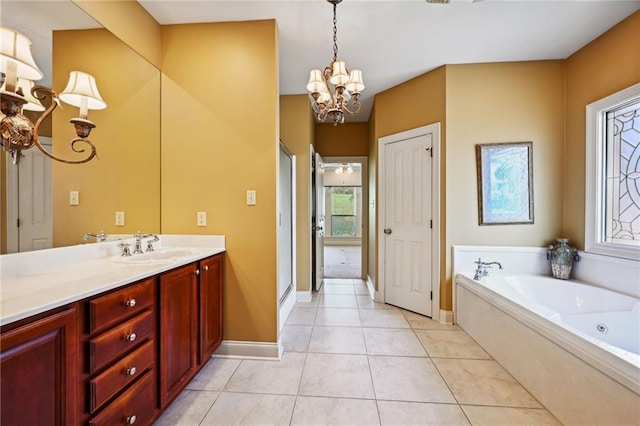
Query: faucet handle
{"x": 125, "y": 249}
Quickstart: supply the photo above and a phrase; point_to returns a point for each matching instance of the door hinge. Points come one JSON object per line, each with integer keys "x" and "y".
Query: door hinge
{"x": 431, "y": 224}
{"x": 18, "y": 223}
{"x": 431, "y": 295}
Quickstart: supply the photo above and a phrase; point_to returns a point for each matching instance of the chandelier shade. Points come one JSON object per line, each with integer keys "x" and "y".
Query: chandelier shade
{"x": 334, "y": 91}
{"x": 15, "y": 48}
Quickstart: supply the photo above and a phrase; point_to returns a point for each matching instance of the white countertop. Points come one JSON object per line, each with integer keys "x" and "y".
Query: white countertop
{"x": 38, "y": 281}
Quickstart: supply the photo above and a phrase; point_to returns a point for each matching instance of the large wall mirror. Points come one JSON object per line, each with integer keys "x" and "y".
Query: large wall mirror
{"x": 126, "y": 175}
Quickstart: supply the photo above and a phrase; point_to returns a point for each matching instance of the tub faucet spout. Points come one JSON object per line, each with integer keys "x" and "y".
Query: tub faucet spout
{"x": 482, "y": 270}
{"x": 100, "y": 237}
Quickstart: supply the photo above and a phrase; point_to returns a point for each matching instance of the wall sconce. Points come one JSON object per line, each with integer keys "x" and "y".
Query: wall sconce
{"x": 18, "y": 70}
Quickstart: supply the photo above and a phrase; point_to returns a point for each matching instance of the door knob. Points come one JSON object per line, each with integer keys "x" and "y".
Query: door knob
{"x": 387, "y": 231}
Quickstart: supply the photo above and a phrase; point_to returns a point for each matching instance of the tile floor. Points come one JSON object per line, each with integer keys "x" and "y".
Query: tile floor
{"x": 350, "y": 361}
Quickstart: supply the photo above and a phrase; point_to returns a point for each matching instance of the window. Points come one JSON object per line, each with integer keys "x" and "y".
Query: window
{"x": 343, "y": 211}
{"x": 612, "y": 225}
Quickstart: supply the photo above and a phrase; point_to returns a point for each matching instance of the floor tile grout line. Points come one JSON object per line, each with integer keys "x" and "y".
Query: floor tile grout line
{"x": 373, "y": 385}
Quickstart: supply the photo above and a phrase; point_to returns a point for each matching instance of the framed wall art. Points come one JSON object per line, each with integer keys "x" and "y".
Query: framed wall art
{"x": 505, "y": 183}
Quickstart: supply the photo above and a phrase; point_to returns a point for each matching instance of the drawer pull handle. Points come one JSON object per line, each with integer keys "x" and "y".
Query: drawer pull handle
{"x": 130, "y": 303}
{"x": 130, "y": 337}
{"x": 206, "y": 267}
{"x": 197, "y": 272}
{"x": 130, "y": 420}
{"x": 131, "y": 371}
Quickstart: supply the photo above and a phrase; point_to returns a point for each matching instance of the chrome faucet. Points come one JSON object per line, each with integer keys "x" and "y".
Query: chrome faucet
{"x": 482, "y": 271}
{"x": 100, "y": 237}
{"x": 138, "y": 247}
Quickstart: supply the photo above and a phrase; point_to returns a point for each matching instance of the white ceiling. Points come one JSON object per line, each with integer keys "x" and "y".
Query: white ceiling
{"x": 394, "y": 41}
{"x": 391, "y": 41}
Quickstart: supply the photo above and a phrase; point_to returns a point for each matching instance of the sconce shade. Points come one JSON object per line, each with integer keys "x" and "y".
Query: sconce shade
{"x": 82, "y": 85}
{"x": 16, "y": 47}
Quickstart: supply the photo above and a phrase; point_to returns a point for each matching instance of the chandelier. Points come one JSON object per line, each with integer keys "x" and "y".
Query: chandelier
{"x": 18, "y": 70}
{"x": 344, "y": 169}
{"x": 334, "y": 90}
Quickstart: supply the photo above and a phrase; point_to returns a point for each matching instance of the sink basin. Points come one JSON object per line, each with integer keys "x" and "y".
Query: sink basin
{"x": 162, "y": 255}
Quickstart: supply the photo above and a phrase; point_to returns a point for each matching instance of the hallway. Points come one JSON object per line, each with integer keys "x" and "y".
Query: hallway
{"x": 342, "y": 261}
{"x": 349, "y": 360}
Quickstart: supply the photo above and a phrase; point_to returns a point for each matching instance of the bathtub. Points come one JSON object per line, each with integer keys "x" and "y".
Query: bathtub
{"x": 574, "y": 346}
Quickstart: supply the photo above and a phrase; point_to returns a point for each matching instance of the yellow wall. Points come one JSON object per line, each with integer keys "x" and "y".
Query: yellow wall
{"x": 348, "y": 139}
{"x": 412, "y": 104}
{"x": 296, "y": 132}
{"x": 220, "y": 131}
{"x": 503, "y": 102}
{"x": 125, "y": 177}
{"x": 484, "y": 103}
{"x": 605, "y": 66}
{"x": 129, "y": 21}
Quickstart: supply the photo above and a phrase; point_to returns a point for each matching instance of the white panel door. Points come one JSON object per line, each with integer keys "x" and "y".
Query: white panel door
{"x": 34, "y": 201}
{"x": 407, "y": 228}
{"x": 320, "y": 221}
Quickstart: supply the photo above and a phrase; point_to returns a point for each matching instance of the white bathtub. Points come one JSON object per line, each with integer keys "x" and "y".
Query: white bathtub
{"x": 575, "y": 347}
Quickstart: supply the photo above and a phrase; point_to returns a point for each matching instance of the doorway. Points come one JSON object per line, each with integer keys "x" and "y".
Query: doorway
{"x": 345, "y": 217}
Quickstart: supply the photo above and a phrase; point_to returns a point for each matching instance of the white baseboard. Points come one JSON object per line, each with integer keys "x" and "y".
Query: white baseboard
{"x": 285, "y": 308}
{"x": 372, "y": 291}
{"x": 250, "y": 350}
{"x": 446, "y": 317}
{"x": 303, "y": 296}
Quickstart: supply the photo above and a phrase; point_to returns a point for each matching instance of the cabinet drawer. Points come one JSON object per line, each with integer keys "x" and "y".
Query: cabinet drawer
{"x": 120, "y": 339}
{"x": 108, "y": 383}
{"x": 113, "y": 307}
{"x": 135, "y": 405}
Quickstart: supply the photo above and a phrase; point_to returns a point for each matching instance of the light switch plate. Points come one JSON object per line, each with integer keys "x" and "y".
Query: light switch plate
{"x": 202, "y": 218}
{"x": 119, "y": 218}
{"x": 74, "y": 198}
{"x": 251, "y": 198}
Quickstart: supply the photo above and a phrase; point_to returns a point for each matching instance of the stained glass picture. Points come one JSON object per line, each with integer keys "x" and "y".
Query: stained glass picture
{"x": 505, "y": 183}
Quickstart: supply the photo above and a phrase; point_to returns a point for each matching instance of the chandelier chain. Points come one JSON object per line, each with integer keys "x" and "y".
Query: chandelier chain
{"x": 335, "y": 33}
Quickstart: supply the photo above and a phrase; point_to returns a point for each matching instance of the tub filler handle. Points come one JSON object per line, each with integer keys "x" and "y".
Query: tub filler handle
{"x": 482, "y": 270}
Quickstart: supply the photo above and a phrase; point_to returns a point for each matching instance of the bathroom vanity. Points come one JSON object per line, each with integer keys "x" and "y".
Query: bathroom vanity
{"x": 112, "y": 346}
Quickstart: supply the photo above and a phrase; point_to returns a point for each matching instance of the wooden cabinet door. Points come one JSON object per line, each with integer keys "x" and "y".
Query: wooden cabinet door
{"x": 40, "y": 371}
{"x": 178, "y": 330}
{"x": 210, "y": 306}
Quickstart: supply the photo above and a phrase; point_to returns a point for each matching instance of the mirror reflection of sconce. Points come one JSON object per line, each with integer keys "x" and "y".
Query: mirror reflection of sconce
{"x": 18, "y": 71}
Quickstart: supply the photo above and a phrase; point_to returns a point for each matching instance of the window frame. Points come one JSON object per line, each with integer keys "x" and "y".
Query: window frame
{"x": 595, "y": 167}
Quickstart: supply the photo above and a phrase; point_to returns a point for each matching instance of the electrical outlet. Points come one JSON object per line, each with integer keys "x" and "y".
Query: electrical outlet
{"x": 202, "y": 218}
{"x": 251, "y": 198}
{"x": 74, "y": 198}
{"x": 119, "y": 218}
